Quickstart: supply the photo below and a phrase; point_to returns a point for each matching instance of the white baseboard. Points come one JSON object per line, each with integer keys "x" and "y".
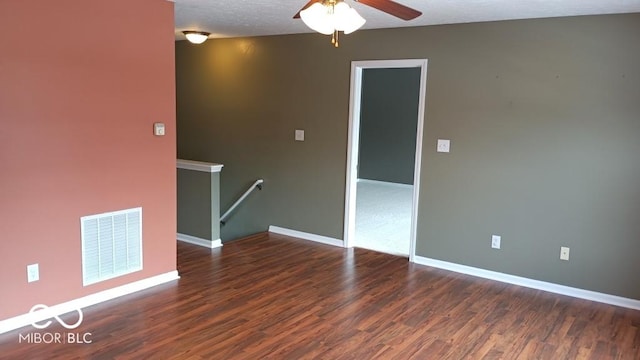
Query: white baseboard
{"x": 73, "y": 305}
{"x": 306, "y": 236}
{"x": 386, "y": 183}
{"x": 530, "y": 283}
{"x": 211, "y": 244}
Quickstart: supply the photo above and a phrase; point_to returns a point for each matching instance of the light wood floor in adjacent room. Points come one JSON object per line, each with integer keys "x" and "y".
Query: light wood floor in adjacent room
{"x": 270, "y": 296}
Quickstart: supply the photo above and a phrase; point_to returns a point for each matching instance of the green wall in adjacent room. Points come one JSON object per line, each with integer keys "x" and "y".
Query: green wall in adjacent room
{"x": 543, "y": 117}
{"x": 388, "y": 124}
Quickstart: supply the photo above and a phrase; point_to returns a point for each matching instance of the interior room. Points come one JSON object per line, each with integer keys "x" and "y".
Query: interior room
{"x": 162, "y": 198}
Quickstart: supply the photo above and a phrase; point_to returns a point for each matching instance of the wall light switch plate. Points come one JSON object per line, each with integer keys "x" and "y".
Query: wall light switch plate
{"x": 299, "y": 135}
{"x": 495, "y": 241}
{"x": 564, "y": 253}
{"x": 443, "y": 145}
{"x": 33, "y": 273}
{"x": 158, "y": 129}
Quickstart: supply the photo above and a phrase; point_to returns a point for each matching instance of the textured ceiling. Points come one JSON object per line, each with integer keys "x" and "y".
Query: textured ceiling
{"x": 270, "y": 17}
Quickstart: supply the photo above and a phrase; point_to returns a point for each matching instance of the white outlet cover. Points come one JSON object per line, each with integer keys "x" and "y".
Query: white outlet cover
{"x": 299, "y": 135}
{"x": 443, "y": 145}
{"x": 564, "y": 253}
{"x": 33, "y": 273}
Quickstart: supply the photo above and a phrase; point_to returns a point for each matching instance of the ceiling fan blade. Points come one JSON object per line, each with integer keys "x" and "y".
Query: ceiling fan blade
{"x": 393, "y": 8}
{"x": 297, "y": 16}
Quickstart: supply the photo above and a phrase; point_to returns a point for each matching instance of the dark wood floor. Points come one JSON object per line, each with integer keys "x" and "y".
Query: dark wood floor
{"x": 271, "y": 296}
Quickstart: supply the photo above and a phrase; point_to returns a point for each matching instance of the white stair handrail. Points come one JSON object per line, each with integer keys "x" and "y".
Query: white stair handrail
{"x": 256, "y": 184}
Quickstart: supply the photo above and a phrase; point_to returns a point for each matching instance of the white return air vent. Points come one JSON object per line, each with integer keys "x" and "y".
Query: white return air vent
{"x": 111, "y": 245}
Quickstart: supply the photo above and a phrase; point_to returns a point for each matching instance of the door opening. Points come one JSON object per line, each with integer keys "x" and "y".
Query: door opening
{"x": 397, "y": 177}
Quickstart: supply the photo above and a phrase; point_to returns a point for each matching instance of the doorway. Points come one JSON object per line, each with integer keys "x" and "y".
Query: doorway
{"x": 364, "y": 198}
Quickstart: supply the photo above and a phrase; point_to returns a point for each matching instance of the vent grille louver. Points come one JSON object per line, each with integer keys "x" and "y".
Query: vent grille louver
{"x": 111, "y": 245}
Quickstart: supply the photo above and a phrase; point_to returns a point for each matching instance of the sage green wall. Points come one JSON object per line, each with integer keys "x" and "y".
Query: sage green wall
{"x": 543, "y": 115}
{"x": 388, "y": 124}
{"x": 194, "y": 204}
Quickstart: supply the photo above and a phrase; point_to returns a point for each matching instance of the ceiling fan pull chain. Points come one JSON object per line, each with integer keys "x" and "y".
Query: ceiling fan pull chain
{"x": 334, "y": 37}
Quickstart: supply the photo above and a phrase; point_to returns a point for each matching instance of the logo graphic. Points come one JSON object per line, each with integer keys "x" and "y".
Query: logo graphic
{"x": 40, "y": 307}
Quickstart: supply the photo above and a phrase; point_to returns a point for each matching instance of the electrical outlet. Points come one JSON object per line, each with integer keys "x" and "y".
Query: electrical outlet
{"x": 564, "y": 253}
{"x": 299, "y": 135}
{"x": 33, "y": 273}
{"x": 495, "y": 241}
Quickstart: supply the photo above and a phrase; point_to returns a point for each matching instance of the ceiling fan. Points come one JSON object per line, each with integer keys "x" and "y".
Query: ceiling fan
{"x": 331, "y": 16}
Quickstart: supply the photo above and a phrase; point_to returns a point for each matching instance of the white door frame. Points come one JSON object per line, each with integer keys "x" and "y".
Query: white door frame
{"x": 353, "y": 144}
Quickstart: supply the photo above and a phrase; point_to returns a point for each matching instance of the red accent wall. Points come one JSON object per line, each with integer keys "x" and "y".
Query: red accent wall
{"x": 81, "y": 84}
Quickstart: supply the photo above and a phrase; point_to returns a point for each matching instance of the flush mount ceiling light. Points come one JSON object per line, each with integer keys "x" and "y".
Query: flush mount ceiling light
{"x": 196, "y": 37}
{"x": 329, "y": 17}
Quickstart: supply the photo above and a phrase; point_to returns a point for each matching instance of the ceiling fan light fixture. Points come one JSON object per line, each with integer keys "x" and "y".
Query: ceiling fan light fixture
{"x": 329, "y": 17}
{"x": 354, "y": 22}
{"x": 318, "y": 18}
{"x": 196, "y": 37}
